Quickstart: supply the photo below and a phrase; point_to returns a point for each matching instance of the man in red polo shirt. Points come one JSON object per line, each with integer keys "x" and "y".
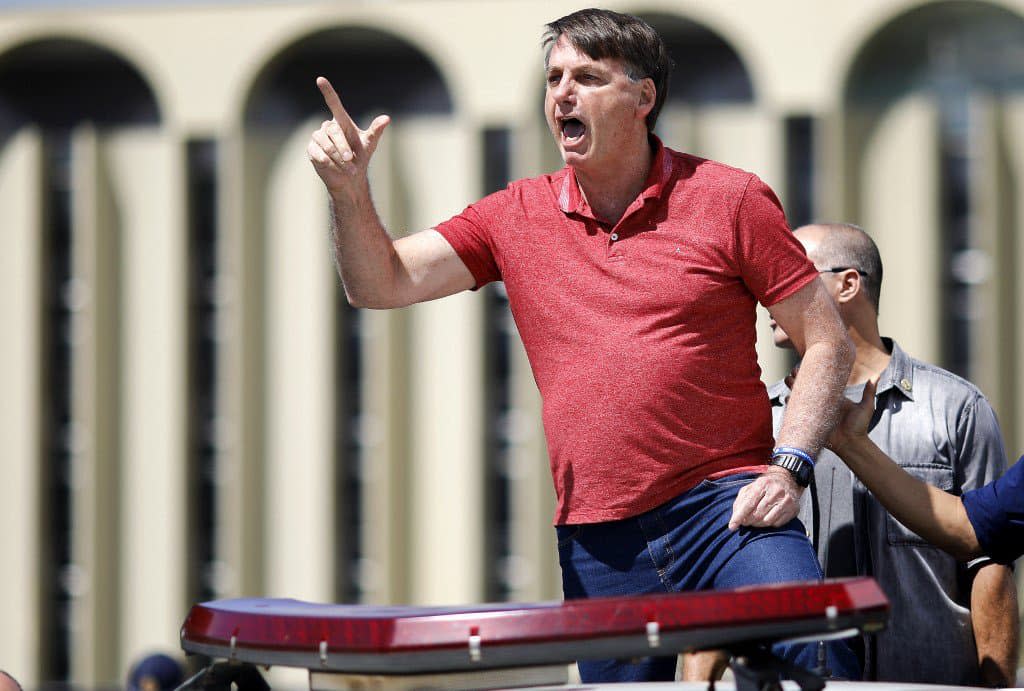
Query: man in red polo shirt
{"x": 633, "y": 274}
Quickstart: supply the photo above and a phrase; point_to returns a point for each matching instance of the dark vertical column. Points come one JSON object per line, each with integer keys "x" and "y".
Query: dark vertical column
{"x": 349, "y": 453}
{"x": 203, "y": 233}
{"x": 498, "y": 382}
{"x": 59, "y": 432}
{"x": 955, "y": 212}
{"x": 800, "y": 170}
{"x": 800, "y": 207}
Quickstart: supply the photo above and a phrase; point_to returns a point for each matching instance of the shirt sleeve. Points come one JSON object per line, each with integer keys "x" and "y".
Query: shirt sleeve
{"x": 471, "y": 235}
{"x": 996, "y": 511}
{"x": 772, "y": 261}
{"x": 981, "y": 457}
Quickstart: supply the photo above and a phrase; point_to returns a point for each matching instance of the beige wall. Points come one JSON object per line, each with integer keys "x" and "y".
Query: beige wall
{"x": 423, "y": 390}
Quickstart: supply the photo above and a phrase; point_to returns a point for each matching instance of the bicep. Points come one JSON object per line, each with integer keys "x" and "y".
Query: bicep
{"x": 809, "y": 316}
{"x": 428, "y": 268}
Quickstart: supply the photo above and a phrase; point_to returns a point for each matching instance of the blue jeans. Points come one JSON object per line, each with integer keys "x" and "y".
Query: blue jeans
{"x": 683, "y": 545}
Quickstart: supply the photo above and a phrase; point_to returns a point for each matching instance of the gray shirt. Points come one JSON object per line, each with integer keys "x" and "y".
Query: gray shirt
{"x": 941, "y": 429}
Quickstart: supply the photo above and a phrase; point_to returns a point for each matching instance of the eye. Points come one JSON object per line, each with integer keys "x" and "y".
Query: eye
{"x": 554, "y": 78}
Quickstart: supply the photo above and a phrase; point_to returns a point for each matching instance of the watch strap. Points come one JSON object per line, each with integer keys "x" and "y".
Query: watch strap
{"x": 799, "y": 467}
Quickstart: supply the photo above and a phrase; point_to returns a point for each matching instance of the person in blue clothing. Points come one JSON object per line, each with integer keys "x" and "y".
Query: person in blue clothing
{"x": 985, "y": 521}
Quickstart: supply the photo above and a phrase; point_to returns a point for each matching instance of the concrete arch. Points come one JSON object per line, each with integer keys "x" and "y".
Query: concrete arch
{"x": 962, "y": 36}
{"x": 86, "y": 82}
{"x": 721, "y": 74}
{"x": 353, "y": 56}
{"x": 927, "y": 97}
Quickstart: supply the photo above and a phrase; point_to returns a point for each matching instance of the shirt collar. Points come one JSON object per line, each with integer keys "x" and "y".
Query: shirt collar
{"x": 570, "y": 198}
{"x": 899, "y": 373}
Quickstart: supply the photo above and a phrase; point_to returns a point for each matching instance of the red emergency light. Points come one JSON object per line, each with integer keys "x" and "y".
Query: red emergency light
{"x": 366, "y": 639}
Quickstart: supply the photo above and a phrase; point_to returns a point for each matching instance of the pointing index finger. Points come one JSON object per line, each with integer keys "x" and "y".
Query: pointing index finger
{"x": 337, "y": 110}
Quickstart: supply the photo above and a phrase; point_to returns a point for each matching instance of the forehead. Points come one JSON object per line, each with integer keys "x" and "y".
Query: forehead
{"x": 564, "y": 55}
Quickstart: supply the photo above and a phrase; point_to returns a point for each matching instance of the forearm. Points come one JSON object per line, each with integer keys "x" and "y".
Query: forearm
{"x": 937, "y": 516}
{"x": 994, "y": 617}
{"x": 813, "y": 407}
{"x": 364, "y": 253}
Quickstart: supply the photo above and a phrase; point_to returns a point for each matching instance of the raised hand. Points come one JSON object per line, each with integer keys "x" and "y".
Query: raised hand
{"x": 339, "y": 151}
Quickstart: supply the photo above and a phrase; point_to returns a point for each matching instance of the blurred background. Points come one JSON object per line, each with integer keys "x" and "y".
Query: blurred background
{"x": 190, "y": 410}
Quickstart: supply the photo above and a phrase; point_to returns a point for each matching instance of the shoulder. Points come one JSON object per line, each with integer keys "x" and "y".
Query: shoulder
{"x": 522, "y": 195}
{"x": 546, "y": 183}
{"x": 932, "y": 379}
{"x": 939, "y": 393}
{"x": 707, "y": 171}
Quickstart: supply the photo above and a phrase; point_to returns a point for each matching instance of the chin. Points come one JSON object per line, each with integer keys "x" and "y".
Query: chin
{"x": 571, "y": 158}
{"x": 780, "y": 339}
{"x": 783, "y": 342}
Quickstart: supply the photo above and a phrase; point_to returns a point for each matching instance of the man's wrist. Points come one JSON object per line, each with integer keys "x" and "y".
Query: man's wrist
{"x": 797, "y": 462}
{"x": 786, "y": 478}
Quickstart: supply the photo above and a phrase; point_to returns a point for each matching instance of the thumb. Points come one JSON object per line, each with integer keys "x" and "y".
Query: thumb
{"x": 373, "y": 134}
{"x": 791, "y": 377}
{"x": 870, "y": 387}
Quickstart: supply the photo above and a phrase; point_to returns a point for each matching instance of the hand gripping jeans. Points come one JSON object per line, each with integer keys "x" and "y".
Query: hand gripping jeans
{"x": 684, "y": 545}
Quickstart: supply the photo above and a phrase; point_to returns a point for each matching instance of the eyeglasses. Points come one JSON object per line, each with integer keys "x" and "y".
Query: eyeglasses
{"x": 839, "y": 269}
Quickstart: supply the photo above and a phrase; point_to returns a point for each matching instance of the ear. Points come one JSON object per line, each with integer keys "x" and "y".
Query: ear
{"x": 648, "y": 94}
{"x": 850, "y": 286}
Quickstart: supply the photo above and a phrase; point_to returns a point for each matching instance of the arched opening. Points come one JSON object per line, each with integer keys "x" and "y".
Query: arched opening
{"x": 708, "y": 70}
{"x": 374, "y": 72}
{"x": 54, "y": 85}
{"x": 945, "y": 48}
{"x": 946, "y": 71}
{"x": 371, "y": 70}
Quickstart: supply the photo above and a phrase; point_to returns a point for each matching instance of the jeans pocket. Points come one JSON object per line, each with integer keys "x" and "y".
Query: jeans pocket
{"x": 727, "y": 481}
{"x": 567, "y": 533}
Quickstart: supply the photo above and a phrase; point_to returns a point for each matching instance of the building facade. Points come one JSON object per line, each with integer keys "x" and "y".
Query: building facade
{"x": 189, "y": 408}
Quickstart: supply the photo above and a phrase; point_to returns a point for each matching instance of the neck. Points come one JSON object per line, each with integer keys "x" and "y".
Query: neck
{"x": 610, "y": 189}
{"x": 872, "y": 356}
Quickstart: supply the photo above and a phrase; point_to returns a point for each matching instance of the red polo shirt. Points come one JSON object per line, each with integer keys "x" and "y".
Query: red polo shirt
{"x": 640, "y": 335}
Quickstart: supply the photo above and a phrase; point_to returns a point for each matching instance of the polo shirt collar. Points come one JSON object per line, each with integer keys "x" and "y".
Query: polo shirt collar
{"x": 570, "y": 198}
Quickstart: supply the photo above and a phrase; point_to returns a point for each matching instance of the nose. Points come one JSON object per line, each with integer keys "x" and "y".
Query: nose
{"x": 562, "y": 90}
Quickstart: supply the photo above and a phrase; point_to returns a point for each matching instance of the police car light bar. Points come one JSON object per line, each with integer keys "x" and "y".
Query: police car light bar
{"x": 365, "y": 639}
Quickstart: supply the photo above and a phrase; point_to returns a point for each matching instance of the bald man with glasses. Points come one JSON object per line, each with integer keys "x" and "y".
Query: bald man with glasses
{"x": 951, "y": 622}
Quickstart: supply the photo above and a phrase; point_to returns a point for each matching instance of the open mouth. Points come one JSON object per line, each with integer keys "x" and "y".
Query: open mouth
{"x": 573, "y": 129}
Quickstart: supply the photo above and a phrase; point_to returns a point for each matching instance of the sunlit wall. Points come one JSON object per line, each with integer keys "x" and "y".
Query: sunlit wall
{"x": 190, "y": 410}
